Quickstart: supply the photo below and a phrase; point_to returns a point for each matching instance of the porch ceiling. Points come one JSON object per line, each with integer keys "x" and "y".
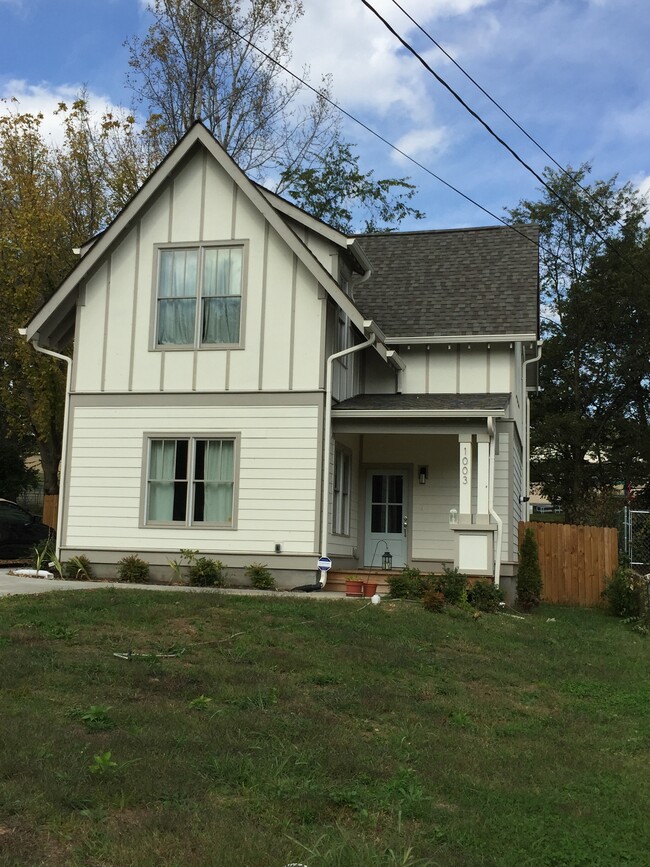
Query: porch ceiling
{"x": 422, "y": 406}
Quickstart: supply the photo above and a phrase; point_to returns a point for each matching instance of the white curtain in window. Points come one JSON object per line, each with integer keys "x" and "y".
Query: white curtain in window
{"x": 162, "y": 460}
{"x": 222, "y": 285}
{"x": 177, "y": 290}
{"x": 219, "y": 480}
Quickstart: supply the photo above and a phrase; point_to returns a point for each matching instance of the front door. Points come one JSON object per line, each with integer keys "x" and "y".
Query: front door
{"x": 386, "y": 518}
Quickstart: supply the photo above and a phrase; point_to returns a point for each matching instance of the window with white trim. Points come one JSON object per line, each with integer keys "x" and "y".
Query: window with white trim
{"x": 191, "y": 481}
{"x": 199, "y": 295}
{"x": 341, "y": 496}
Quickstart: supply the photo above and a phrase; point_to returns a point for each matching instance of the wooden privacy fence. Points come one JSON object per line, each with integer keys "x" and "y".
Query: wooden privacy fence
{"x": 50, "y": 510}
{"x": 574, "y": 560}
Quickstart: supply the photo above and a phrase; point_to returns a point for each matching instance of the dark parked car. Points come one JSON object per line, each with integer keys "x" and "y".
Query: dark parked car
{"x": 20, "y": 531}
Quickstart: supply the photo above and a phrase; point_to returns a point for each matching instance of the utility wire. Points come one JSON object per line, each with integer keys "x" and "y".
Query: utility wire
{"x": 565, "y": 171}
{"x": 356, "y": 120}
{"x": 605, "y": 240}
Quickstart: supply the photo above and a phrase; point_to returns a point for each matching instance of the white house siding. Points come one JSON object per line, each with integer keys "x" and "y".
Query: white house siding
{"x": 466, "y": 368}
{"x": 282, "y": 311}
{"x": 516, "y": 463}
{"x": 277, "y": 481}
{"x": 346, "y": 546}
{"x": 502, "y": 488}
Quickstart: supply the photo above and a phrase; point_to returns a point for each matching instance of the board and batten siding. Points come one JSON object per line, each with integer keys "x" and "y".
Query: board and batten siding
{"x": 448, "y": 369}
{"x": 282, "y": 310}
{"x": 277, "y": 477}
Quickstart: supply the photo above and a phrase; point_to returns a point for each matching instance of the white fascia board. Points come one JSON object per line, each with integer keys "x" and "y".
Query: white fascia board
{"x": 461, "y": 338}
{"x": 295, "y": 213}
{"x": 416, "y": 413}
{"x": 397, "y": 362}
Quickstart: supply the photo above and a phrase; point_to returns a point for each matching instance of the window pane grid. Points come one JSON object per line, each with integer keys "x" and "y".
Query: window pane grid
{"x": 203, "y": 310}
{"x": 191, "y": 481}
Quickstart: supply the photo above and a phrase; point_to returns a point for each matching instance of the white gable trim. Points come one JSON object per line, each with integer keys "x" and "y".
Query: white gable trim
{"x": 197, "y": 135}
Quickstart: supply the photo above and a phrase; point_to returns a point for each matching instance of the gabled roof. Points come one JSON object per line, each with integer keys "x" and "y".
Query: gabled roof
{"x": 452, "y": 283}
{"x": 56, "y": 317}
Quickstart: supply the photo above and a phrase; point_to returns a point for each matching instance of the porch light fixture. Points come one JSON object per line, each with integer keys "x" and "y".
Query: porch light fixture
{"x": 423, "y": 475}
{"x": 453, "y": 516}
{"x": 387, "y": 560}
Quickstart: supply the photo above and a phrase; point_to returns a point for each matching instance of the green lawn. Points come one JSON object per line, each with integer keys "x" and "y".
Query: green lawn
{"x": 321, "y": 733}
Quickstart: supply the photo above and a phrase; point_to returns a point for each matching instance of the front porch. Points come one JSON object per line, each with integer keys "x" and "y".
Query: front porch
{"x": 431, "y": 491}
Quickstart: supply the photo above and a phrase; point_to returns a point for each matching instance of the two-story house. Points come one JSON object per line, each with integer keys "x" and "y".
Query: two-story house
{"x": 251, "y": 383}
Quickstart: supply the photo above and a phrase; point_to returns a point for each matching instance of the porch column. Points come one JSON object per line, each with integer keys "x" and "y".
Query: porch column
{"x": 465, "y": 479}
{"x": 482, "y": 479}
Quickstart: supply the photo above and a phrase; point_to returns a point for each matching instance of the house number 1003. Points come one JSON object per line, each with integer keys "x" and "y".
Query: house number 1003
{"x": 465, "y": 468}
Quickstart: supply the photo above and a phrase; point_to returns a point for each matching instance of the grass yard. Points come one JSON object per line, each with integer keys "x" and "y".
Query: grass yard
{"x": 318, "y": 733}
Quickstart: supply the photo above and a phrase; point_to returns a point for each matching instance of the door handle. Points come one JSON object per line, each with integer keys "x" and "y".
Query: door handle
{"x": 405, "y": 523}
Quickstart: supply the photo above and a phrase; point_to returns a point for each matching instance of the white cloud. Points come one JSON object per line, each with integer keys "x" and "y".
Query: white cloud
{"x": 422, "y": 143}
{"x": 45, "y": 98}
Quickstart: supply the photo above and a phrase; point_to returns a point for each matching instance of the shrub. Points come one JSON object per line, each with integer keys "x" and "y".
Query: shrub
{"x": 624, "y": 593}
{"x": 206, "y": 572}
{"x": 260, "y": 576}
{"x": 484, "y": 596}
{"x": 43, "y": 553}
{"x": 529, "y": 576}
{"x": 453, "y": 586}
{"x": 407, "y": 584}
{"x": 133, "y": 569}
{"x": 433, "y": 600}
{"x": 78, "y": 569}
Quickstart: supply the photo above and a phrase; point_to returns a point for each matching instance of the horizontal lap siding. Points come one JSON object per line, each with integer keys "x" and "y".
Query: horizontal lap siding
{"x": 277, "y": 477}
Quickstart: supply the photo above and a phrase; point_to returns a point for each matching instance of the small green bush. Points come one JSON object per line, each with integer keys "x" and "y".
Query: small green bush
{"x": 623, "y": 593}
{"x": 529, "y": 577}
{"x": 78, "y": 569}
{"x": 133, "y": 570}
{"x": 484, "y": 596}
{"x": 407, "y": 584}
{"x": 453, "y": 586}
{"x": 260, "y": 576}
{"x": 206, "y": 572}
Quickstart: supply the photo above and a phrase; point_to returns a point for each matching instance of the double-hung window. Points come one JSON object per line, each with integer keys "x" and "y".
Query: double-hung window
{"x": 341, "y": 498}
{"x": 199, "y": 297}
{"x": 191, "y": 481}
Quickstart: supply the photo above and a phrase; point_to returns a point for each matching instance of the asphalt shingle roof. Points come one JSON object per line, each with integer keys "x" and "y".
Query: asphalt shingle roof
{"x": 452, "y": 282}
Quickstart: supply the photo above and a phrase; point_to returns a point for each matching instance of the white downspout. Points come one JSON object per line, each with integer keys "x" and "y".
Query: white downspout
{"x": 493, "y": 514}
{"x": 64, "y": 444}
{"x": 327, "y": 445}
{"x": 526, "y": 485}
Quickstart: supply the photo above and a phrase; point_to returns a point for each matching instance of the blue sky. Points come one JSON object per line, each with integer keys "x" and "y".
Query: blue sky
{"x": 574, "y": 74}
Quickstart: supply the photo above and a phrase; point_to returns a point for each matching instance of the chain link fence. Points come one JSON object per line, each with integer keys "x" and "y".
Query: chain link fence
{"x": 635, "y": 538}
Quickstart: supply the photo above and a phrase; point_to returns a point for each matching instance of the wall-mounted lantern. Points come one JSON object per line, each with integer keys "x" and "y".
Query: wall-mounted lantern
{"x": 453, "y": 516}
{"x": 423, "y": 475}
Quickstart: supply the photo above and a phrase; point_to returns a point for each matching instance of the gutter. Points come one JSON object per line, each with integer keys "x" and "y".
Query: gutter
{"x": 64, "y": 444}
{"x": 526, "y": 480}
{"x": 492, "y": 512}
{"x": 327, "y": 449}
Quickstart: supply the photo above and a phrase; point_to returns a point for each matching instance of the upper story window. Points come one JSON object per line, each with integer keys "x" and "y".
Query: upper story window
{"x": 199, "y": 295}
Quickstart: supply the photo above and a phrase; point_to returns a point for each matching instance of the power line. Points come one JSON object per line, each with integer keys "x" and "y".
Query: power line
{"x": 494, "y": 102}
{"x": 356, "y": 120}
{"x": 605, "y": 240}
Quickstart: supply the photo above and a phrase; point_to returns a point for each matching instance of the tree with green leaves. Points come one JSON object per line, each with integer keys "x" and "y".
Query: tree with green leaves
{"x": 577, "y": 416}
{"x": 52, "y": 199}
{"x": 339, "y": 193}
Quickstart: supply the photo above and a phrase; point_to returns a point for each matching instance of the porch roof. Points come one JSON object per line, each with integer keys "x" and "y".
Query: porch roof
{"x": 422, "y": 405}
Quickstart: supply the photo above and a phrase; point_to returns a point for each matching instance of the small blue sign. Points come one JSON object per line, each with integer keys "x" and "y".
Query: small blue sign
{"x": 324, "y": 564}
